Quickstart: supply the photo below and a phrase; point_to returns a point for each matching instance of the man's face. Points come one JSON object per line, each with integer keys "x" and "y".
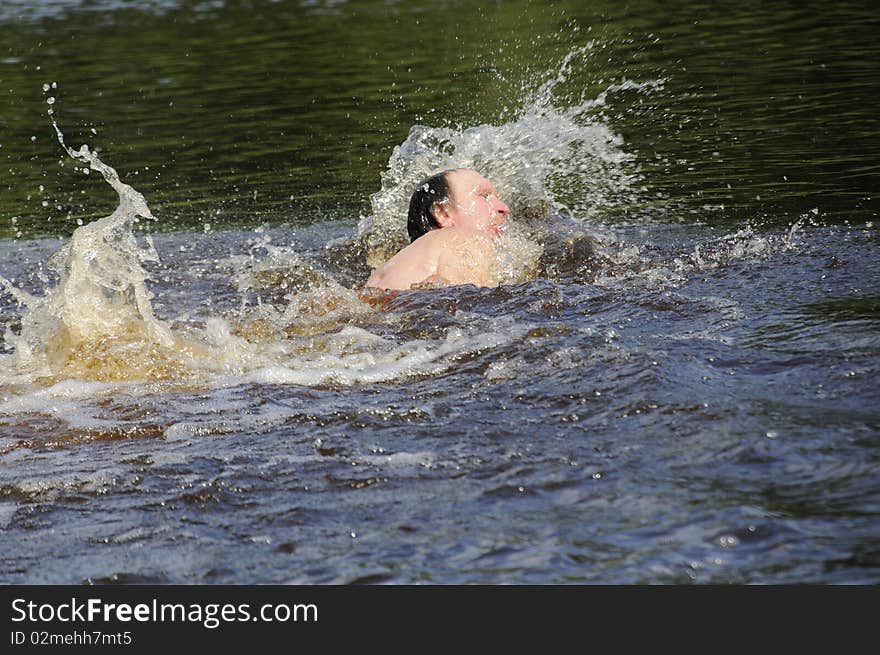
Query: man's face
{"x": 474, "y": 204}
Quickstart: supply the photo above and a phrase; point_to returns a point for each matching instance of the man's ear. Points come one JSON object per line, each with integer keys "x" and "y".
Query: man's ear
{"x": 441, "y": 214}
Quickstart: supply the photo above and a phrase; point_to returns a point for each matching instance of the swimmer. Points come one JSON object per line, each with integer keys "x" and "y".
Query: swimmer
{"x": 454, "y": 218}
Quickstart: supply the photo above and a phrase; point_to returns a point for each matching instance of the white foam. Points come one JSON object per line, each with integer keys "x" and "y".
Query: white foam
{"x": 70, "y": 401}
{"x": 336, "y": 366}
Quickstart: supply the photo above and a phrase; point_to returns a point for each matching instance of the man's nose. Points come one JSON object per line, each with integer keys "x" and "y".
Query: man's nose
{"x": 501, "y": 208}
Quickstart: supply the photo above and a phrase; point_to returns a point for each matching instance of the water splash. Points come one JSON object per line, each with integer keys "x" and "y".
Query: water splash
{"x": 645, "y": 267}
{"x": 101, "y": 291}
{"x": 97, "y": 324}
{"x": 535, "y": 161}
{"x": 301, "y": 320}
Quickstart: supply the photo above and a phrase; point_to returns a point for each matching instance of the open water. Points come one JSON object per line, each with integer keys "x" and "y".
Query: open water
{"x": 675, "y": 382}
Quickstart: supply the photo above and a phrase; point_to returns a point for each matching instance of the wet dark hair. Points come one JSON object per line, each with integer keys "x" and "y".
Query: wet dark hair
{"x": 421, "y": 218}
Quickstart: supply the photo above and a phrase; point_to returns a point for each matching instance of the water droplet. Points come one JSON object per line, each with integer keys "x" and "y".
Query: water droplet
{"x": 50, "y": 100}
{"x": 46, "y": 87}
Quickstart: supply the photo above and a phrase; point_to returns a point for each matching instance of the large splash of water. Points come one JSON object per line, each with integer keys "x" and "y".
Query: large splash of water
{"x": 101, "y": 291}
{"x": 547, "y": 148}
{"x": 97, "y": 323}
{"x": 311, "y": 324}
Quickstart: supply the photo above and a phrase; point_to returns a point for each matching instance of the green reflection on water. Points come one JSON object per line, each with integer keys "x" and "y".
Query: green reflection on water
{"x": 238, "y": 113}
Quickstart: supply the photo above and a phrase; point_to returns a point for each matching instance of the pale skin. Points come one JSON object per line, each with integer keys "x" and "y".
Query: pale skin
{"x": 461, "y": 250}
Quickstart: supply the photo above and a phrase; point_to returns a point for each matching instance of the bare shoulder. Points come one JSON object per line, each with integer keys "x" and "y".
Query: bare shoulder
{"x": 411, "y": 265}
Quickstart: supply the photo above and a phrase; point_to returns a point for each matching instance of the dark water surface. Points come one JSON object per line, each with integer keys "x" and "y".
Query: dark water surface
{"x": 694, "y": 398}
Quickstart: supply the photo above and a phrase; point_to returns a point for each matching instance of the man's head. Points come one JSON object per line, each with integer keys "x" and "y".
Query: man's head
{"x": 459, "y": 197}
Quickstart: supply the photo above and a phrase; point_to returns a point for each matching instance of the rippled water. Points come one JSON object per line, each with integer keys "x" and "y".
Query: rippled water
{"x": 675, "y": 382}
